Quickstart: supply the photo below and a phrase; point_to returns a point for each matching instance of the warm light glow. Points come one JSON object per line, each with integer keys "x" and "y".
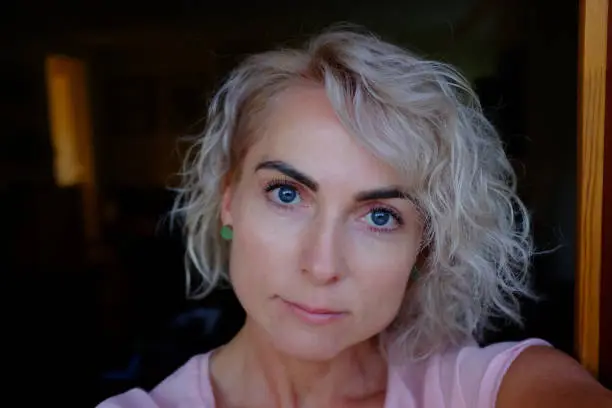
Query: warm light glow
{"x": 71, "y": 134}
{"x": 69, "y": 120}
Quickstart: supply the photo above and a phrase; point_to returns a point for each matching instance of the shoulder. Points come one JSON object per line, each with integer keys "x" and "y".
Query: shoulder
{"x": 462, "y": 377}
{"x": 187, "y": 387}
{"x": 543, "y": 377}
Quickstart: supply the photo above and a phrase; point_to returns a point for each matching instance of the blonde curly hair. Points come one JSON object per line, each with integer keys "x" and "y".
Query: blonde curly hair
{"x": 423, "y": 119}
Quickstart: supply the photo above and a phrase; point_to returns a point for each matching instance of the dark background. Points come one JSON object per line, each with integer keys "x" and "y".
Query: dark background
{"x": 85, "y": 319}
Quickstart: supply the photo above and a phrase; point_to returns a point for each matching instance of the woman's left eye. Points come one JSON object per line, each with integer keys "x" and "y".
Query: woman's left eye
{"x": 383, "y": 218}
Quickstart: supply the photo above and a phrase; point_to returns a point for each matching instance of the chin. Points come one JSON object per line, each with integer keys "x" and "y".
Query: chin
{"x": 309, "y": 346}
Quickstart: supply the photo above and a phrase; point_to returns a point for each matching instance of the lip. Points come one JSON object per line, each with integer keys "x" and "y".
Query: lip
{"x": 314, "y": 315}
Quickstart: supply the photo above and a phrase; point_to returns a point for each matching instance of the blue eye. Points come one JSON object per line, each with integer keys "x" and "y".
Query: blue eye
{"x": 383, "y": 218}
{"x": 285, "y": 194}
{"x": 380, "y": 218}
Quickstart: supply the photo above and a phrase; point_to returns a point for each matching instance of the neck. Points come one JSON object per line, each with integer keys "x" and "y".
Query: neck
{"x": 356, "y": 373}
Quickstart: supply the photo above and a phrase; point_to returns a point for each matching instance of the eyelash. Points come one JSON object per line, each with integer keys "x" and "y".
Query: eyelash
{"x": 393, "y": 213}
{"x": 281, "y": 182}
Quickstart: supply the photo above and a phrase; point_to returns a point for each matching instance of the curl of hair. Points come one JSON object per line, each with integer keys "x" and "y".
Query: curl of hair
{"x": 423, "y": 119}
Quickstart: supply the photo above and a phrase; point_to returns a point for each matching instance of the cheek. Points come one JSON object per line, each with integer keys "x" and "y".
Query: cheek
{"x": 263, "y": 254}
{"x": 382, "y": 297}
{"x": 381, "y": 273}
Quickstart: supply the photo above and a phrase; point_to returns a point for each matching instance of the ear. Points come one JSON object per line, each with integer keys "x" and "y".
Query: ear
{"x": 226, "y": 204}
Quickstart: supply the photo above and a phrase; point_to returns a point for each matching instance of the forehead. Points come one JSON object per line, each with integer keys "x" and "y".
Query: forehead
{"x": 303, "y": 129}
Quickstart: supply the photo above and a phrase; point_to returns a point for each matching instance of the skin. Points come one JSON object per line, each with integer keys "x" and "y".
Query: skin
{"x": 318, "y": 221}
{"x": 545, "y": 377}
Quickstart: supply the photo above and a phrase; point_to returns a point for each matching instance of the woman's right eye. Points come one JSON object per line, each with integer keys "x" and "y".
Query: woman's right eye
{"x": 284, "y": 194}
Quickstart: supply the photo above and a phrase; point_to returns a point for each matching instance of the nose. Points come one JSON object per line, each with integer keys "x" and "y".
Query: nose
{"x": 322, "y": 253}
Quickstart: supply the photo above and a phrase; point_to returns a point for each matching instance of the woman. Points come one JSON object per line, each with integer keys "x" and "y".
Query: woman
{"x": 365, "y": 213}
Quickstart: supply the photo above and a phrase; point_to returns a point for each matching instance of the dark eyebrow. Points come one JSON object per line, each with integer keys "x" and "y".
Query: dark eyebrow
{"x": 289, "y": 171}
{"x": 370, "y": 195}
{"x": 382, "y": 194}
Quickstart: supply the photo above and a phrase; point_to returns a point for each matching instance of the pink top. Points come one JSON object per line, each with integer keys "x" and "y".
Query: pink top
{"x": 467, "y": 377}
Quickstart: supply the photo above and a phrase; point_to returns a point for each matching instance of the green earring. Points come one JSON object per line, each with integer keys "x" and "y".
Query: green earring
{"x": 414, "y": 274}
{"x": 227, "y": 233}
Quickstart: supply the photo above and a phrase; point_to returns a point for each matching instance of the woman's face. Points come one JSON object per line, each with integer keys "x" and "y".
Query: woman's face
{"x": 324, "y": 238}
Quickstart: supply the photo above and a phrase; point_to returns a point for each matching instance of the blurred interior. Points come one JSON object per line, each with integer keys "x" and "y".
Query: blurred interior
{"x": 95, "y": 100}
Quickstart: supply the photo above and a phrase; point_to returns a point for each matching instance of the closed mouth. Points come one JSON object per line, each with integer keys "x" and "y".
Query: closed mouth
{"x": 314, "y": 310}
{"x": 314, "y": 315}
